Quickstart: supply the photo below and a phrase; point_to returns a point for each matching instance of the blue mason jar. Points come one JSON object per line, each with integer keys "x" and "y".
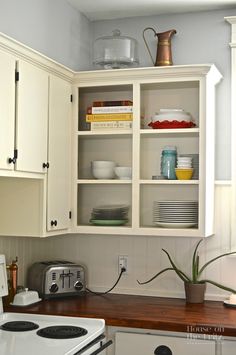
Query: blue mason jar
{"x": 168, "y": 162}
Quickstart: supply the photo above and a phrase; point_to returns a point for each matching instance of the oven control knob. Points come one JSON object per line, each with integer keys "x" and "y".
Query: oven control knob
{"x": 53, "y": 288}
{"x": 78, "y": 286}
{"x": 162, "y": 350}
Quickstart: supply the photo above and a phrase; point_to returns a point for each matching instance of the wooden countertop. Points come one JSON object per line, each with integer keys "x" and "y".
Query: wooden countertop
{"x": 146, "y": 312}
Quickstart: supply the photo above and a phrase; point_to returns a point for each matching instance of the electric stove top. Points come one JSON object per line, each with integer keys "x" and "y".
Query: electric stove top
{"x": 27, "y": 334}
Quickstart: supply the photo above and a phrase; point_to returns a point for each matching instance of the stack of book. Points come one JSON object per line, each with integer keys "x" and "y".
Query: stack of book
{"x": 110, "y": 115}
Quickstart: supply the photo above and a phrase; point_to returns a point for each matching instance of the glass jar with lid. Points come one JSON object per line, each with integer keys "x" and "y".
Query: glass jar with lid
{"x": 116, "y": 51}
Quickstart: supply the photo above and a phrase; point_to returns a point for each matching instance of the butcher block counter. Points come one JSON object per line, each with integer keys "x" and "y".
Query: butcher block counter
{"x": 167, "y": 314}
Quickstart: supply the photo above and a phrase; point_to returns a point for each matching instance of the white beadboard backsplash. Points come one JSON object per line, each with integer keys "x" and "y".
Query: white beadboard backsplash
{"x": 145, "y": 256}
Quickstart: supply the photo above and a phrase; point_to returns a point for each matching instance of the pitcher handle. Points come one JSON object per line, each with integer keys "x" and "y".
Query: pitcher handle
{"x": 149, "y": 28}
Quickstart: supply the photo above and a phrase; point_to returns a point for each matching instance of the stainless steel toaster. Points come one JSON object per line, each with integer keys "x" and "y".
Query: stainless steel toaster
{"x": 56, "y": 278}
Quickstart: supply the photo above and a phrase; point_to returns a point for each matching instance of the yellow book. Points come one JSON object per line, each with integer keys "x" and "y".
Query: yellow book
{"x": 109, "y": 117}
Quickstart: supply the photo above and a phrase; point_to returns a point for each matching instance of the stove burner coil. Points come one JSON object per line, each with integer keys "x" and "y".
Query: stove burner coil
{"x": 19, "y": 326}
{"x": 62, "y": 332}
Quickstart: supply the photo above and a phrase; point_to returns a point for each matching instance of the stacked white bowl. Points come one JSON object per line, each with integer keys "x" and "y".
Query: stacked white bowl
{"x": 184, "y": 162}
{"x": 103, "y": 169}
{"x": 123, "y": 172}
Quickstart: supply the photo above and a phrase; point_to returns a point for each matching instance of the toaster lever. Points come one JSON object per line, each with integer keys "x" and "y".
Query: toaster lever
{"x": 64, "y": 275}
{"x": 69, "y": 274}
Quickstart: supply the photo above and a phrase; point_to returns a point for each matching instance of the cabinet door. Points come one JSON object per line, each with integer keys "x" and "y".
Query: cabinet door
{"x": 58, "y": 154}
{"x": 228, "y": 348}
{"x": 140, "y": 344}
{"x": 7, "y": 109}
{"x": 31, "y": 118}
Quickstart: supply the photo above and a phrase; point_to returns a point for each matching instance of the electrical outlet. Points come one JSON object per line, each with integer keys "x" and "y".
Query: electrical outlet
{"x": 123, "y": 263}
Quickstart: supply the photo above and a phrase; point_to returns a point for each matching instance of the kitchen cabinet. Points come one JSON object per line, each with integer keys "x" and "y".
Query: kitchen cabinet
{"x": 228, "y": 347}
{"x": 31, "y": 118}
{"x": 7, "y": 109}
{"x": 40, "y": 207}
{"x": 191, "y": 88}
{"x": 35, "y": 144}
{"x": 150, "y": 344}
{"x": 24, "y": 115}
{"x": 58, "y": 177}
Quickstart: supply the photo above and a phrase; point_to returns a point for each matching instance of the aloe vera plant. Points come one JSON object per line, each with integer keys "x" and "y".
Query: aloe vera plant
{"x": 197, "y": 271}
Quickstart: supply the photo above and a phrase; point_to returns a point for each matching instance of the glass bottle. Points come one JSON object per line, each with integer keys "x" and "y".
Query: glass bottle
{"x": 168, "y": 162}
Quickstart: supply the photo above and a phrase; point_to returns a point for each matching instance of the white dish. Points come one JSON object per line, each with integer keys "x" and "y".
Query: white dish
{"x": 123, "y": 172}
{"x": 26, "y": 298}
{"x": 103, "y": 173}
{"x": 172, "y": 116}
{"x": 227, "y": 303}
{"x": 175, "y": 225}
{"x": 177, "y": 202}
{"x": 103, "y": 164}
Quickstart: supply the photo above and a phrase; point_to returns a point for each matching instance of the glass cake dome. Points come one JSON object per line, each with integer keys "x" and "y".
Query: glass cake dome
{"x": 116, "y": 51}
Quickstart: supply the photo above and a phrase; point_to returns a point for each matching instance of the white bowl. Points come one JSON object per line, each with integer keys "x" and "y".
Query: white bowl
{"x": 184, "y": 160}
{"x": 103, "y": 173}
{"x": 103, "y": 164}
{"x": 184, "y": 166}
{"x": 123, "y": 172}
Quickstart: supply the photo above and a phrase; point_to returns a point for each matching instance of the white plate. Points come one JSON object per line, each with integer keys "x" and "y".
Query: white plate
{"x": 174, "y": 221}
{"x": 228, "y": 304}
{"x": 175, "y": 211}
{"x": 175, "y": 225}
{"x": 177, "y": 201}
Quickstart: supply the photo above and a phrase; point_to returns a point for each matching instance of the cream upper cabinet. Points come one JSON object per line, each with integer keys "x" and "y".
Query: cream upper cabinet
{"x": 7, "y": 109}
{"x": 58, "y": 179}
{"x": 31, "y": 118}
{"x": 159, "y": 207}
{"x": 24, "y": 115}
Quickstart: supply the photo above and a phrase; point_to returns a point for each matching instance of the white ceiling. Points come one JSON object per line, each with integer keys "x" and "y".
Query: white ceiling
{"x": 110, "y": 9}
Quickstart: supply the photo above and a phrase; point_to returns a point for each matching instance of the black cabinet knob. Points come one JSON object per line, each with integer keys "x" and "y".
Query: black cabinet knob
{"x": 45, "y": 165}
{"x": 12, "y": 160}
{"x": 54, "y": 223}
{"x": 162, "y": 350}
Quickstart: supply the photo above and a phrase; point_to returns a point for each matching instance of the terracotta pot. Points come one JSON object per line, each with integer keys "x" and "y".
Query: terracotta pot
{"x": 195, "y": 293}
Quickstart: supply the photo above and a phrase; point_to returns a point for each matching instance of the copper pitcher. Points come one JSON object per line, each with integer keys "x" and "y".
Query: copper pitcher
{"x": 164, "y": 55}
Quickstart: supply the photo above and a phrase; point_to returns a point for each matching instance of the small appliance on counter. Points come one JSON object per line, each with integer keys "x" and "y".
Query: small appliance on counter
{"x": 56, "y": 278}
{"x": 24, "y": 334}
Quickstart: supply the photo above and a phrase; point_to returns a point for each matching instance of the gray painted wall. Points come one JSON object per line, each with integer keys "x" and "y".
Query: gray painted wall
{"x": 201, "y": 37}
{"x": 57, "y": 30}
{"x": 51, "y": 27}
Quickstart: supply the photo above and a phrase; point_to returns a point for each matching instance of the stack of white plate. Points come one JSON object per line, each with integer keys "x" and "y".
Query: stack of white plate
{"x": 175, "y": 213}
{"x": 109, "y": 215}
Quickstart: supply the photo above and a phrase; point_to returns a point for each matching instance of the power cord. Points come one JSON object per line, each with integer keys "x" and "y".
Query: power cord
{"x": 123, "y": 269}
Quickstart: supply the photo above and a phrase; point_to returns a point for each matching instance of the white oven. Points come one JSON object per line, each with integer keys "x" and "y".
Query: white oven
{"x": 27, "y": 334}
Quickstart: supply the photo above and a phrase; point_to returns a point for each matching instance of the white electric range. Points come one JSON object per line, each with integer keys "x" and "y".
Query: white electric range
{"x": 27, "y": 334}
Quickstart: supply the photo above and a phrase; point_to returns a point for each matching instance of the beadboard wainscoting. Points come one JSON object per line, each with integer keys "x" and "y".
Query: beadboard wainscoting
{"x": 145, "y": 257}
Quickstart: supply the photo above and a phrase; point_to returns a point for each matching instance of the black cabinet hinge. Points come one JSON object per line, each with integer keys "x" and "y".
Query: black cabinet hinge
{"x": 13, "y": 160}
{"x": 15, "y": 153}
{"x": 70, "y": 214}
{"x": 71, "y": 98}
{"x": 17, "y": 76}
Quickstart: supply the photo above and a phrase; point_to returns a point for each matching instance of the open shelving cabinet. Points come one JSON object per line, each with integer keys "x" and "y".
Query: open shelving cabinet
{"x": 190, "y": 87}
